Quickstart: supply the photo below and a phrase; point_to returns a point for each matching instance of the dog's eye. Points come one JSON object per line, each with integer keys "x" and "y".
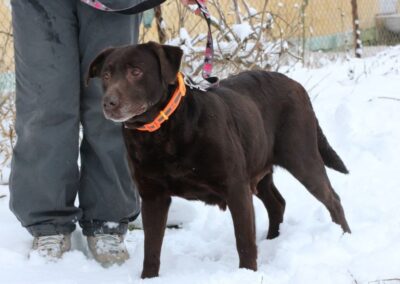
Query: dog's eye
{"x": 106, "y": 76}
{"x": 135, "y": 72}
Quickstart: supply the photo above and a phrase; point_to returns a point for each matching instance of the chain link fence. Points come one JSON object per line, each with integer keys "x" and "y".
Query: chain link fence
{"x": 248, "y": 34}
{"x": 301, "y": 26}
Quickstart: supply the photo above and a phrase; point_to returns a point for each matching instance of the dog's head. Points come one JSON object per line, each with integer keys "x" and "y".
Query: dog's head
{"x": 134, "y": 78}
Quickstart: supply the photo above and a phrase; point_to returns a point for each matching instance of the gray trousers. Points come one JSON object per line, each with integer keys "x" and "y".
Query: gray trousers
{"x": 55, "y": 41}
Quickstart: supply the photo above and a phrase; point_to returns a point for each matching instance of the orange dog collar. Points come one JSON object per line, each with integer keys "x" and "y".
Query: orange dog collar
{"x": 172, "y": 105}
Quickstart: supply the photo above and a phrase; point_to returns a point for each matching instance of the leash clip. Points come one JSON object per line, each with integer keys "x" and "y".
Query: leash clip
{"x": 192, "y": 84}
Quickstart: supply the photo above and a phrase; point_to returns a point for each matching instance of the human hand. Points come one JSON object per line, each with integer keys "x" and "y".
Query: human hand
{"x": 188, "y": 2}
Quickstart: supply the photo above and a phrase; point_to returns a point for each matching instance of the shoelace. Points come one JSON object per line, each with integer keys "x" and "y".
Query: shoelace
{"x": 108, "y": 242}
{"x": 53, "y": 243}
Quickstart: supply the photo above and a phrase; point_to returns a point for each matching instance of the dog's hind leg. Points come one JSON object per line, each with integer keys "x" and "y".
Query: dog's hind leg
{"x": 313, "y": 176}
{"x": 296, "y": 149}
{"x": 240, "y": 203}
{"x": 309, "y": 169}
{"x": 273, "y": 202}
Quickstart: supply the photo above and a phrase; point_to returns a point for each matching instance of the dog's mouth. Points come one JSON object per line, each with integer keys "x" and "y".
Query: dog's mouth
{"x": 124, "y": 113}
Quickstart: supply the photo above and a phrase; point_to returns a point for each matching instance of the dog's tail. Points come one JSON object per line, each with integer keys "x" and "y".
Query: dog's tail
{"x": 330, "y": 157}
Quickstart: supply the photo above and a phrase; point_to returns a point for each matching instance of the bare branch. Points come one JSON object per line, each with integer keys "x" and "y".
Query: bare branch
{"x": 237, "y": 14}
{"x": 6, "y": 33}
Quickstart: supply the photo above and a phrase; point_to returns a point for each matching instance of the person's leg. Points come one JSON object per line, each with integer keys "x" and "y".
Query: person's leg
{"x": 107, "y": 193}
{"x": 45, "y": 176}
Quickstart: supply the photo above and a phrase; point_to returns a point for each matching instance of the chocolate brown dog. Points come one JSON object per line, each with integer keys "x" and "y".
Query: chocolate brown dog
{"x": 218, "y": 146}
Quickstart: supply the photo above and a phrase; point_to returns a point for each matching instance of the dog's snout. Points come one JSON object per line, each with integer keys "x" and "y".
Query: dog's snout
{"x": 110, "y": 102}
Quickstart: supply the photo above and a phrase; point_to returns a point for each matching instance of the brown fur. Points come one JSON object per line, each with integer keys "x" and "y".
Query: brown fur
{"x": 219, "y": 146}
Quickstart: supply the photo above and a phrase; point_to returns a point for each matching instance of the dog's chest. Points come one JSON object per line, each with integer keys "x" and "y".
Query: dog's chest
{"x": 187, "y": 171}
{"x": 190, "y": 180}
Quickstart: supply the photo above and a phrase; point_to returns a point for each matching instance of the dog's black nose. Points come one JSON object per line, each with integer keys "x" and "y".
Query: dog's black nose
{"x": 110, "y": 102}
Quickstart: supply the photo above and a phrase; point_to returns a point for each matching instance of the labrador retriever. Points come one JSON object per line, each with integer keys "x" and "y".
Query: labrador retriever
{"x": 218, "y": 145}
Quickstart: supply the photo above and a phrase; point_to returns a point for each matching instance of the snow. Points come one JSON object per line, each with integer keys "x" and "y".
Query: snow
{"x": 252, "y": 11}
{"x": 111, "y": 225}
{"x": 360, "y": 116}
{"x": 243, "y": 30}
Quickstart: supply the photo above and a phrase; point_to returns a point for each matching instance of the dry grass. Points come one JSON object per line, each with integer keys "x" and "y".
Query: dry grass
{"x": 7, "y": 130}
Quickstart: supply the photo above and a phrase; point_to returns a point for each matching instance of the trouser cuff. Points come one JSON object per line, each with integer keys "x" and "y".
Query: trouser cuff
{"x": 93, "y": 227}
{"x": 51, "y": 229}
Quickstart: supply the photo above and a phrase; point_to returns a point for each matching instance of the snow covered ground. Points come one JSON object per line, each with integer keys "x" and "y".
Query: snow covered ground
{"x": 358, "y": 106}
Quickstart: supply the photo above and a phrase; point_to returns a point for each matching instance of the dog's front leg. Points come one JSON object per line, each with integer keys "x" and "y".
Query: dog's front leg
{"x": 240, "y": 204}
{"x": 154, "y": 215}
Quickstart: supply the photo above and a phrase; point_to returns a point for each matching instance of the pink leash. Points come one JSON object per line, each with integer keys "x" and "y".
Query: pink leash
{"x": 209, "y": 52}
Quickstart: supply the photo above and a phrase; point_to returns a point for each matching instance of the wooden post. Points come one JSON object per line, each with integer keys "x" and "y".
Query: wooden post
{"x": 356, "y": 30}
{"x": 304, "y": 6}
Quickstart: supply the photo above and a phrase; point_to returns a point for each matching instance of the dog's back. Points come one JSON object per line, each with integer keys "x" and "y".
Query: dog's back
{"x": 285, "y": 108}
{"x": 274, "y": 94}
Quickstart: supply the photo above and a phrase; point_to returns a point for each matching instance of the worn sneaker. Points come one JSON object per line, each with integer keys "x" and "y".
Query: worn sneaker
{"x": 51, "y": 247}
{"x": 108, "y": 249}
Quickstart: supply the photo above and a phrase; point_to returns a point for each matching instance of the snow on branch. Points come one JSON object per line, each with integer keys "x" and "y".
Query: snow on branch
{"x": 245, "y": 38}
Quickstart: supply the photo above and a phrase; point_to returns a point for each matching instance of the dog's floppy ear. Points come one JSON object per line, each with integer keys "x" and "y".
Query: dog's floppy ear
{"x": 97, "y": 64}
{"x": 170, "y": 60}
